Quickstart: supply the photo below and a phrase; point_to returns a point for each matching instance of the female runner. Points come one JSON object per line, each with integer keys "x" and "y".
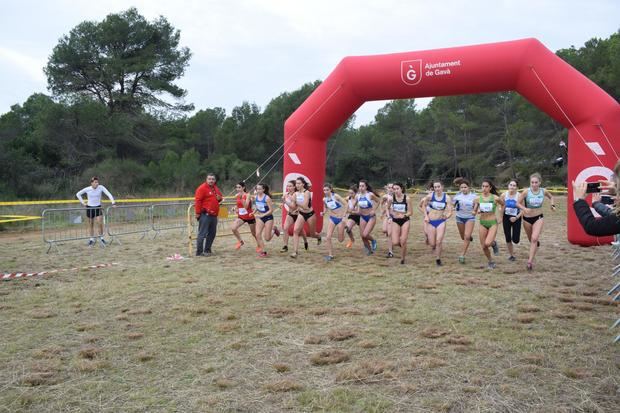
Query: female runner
{"x": 303, "y": 202}
{"x": 288, "y": 203}
{"x": 485, "y": 204}
{"x": 367, "y": 201}
{"x": 386, "y": 217}
{"x": 244, "y": 214}
{"x": 401, "y": 208}
{"x": 531, "y": 202}
{"x": 336, "y": 211}
{"x": 353, "y": 217}
{"x": 511, "y": 217}
{"x": 439, "y": 210}
{"x": 264, "y": 212}
{"x": 465, "y": 218}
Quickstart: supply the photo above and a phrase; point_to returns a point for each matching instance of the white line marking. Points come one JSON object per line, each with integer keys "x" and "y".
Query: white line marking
{"x": 294, "y": 158}
{"x": 596, "y": 148}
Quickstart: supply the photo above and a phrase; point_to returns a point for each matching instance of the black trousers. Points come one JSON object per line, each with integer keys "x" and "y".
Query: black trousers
{"x": 512, "y": 230}
{"x": 207, "y": 228}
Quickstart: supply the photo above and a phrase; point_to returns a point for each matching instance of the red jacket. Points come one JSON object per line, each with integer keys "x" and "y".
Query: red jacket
{"x": 206, "y": 200}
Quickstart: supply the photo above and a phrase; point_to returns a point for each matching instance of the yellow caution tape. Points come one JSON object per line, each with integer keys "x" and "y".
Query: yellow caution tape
{"x": 16, "y": 218}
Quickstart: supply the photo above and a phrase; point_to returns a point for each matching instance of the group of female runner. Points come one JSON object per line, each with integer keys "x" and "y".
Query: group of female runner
{"x": 361, "y": 205}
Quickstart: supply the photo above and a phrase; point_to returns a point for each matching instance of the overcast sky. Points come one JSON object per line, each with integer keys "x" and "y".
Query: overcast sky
{"x": 253, "y": 50}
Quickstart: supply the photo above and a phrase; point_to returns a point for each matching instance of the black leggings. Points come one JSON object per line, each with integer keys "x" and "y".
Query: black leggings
{"x": 512, "y": 230}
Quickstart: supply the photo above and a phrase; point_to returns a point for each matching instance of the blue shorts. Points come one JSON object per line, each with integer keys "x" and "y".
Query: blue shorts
{"x": 436, "y": 222}
{"x": 460, "y": 220}
{"x": 335, "y": 220}
{"x": 367, "y": 218}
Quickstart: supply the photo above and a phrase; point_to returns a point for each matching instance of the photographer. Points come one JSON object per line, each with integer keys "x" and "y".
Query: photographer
{"x": 609, "y": 223}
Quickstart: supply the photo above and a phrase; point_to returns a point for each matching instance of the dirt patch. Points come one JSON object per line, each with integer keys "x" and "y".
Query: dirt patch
{"x": 526, "y": 318}
{"x": 340, "y": 334}
{"x": 434, "y": 332}
{"x": 527, "y": 308}
{"x": 368, "y": 371}
{"x": 89, "y": 352}
{"x": 315, "y": 339}
{"x": 284, "y": 385}
{"x": 329, "y": 356}
{"x": 459, "y": 340}
{"x": 281, "y": 367}
{"x": 279, "y": 312}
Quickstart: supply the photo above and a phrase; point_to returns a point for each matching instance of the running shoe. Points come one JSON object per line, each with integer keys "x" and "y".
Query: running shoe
{"x": 349, "y": 244}
{"x": 329, "y": 257}
{"x": 306, "y": 245}
{"x": 318, "y": 240}
{"x": 471, "y": 239}
{"x": 368, "y": 252}
{"x": 512, "y": 258}
{"x": 530, "y": 266}
{"x": 438, "y": 262}
{"x": 91, "y": 242}
{"x": 276, "y": 231}
{"x": 258, "y": 249}
{"x": 538, "y": 244}
{"x": 262, "y": 254}
{"x": 239, "y": 244}
{"x": 402, "y": 262}
{"x": 495, "y": 248}
{"x": 284, "y": 248}
{"x": 373, "y": 244}
{"x": 103, "y": 242}
{"x": 491, "y": 265}
{"x": 390, "y": 254}
{"x": 461, "y": 259}
{"x": 293, "y": 255}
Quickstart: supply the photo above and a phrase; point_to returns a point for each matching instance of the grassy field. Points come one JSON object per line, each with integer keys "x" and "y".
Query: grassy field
{"x": 359, "y": 334}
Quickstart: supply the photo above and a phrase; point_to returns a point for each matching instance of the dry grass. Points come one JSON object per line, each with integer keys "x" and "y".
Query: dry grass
{"x": 329, "y": 356}
{"x": 233, "y": 333}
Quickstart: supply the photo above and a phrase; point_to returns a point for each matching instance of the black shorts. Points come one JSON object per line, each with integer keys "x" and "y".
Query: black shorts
{"x": 294, "y": 216}
{"x": 531, "y": 220}
{"x": 250, "y": 221}
{"x": 400, "y": 221}
{"x": 93, "y": 211}
{"x": 355, "y": 218}
{"x": 306, "y": 215}
{"x": 266, "y": 218}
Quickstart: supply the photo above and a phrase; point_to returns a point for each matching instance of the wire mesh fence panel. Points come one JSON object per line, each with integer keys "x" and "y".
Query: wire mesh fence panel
{"x": 128, "y": 219}
{"x": 66, "y": 224}
{"x": 169, "y": 216}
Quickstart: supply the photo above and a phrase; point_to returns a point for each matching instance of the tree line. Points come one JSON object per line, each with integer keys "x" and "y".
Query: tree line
{"x": 106, "y": 117}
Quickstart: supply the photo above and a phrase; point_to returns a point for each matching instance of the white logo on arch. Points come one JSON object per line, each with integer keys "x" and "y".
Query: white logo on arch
{"x": 602, "y": 171}
{"x": 411, "y": 71}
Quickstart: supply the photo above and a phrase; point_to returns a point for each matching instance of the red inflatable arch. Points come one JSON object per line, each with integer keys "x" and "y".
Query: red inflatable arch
{"x": 591, "y": 116}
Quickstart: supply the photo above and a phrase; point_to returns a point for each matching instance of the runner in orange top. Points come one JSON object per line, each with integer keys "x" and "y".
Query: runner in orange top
{"x": 245, "y": 215}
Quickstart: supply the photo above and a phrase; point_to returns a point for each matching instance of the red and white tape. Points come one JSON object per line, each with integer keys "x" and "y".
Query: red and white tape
{"x": 15, "y": 275}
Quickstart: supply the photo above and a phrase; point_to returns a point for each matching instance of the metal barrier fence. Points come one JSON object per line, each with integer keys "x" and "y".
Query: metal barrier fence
{"x": 169, "y": 216}
{"x": 127, "y": 219}
{"x": 64, "y": 224}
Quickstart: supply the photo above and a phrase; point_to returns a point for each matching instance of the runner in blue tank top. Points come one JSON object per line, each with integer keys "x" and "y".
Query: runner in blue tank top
{"x": 265, "y": 228}
{"x": 367, "y": 202}
{"x": 511, "y": 217}
{"x": 463, "y": 203}
{"x": 440, "y": 209}
{"x": 336, "y": 210}
{"x": 531, "y": 202}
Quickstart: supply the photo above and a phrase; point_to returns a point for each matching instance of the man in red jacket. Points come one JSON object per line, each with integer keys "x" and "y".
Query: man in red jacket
{"x": 207, "y": 204}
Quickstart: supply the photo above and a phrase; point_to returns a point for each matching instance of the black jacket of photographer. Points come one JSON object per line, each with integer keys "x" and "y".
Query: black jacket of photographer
{"x": 598, "y": 227}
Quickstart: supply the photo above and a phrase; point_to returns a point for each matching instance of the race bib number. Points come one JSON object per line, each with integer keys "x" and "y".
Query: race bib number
{"x": 331, "y": 204}
{"x": 243, "y": 211}
{"x": 486, "y": 207}
{"x": 399, "y": 208}
{"x": 364, "y": 203}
